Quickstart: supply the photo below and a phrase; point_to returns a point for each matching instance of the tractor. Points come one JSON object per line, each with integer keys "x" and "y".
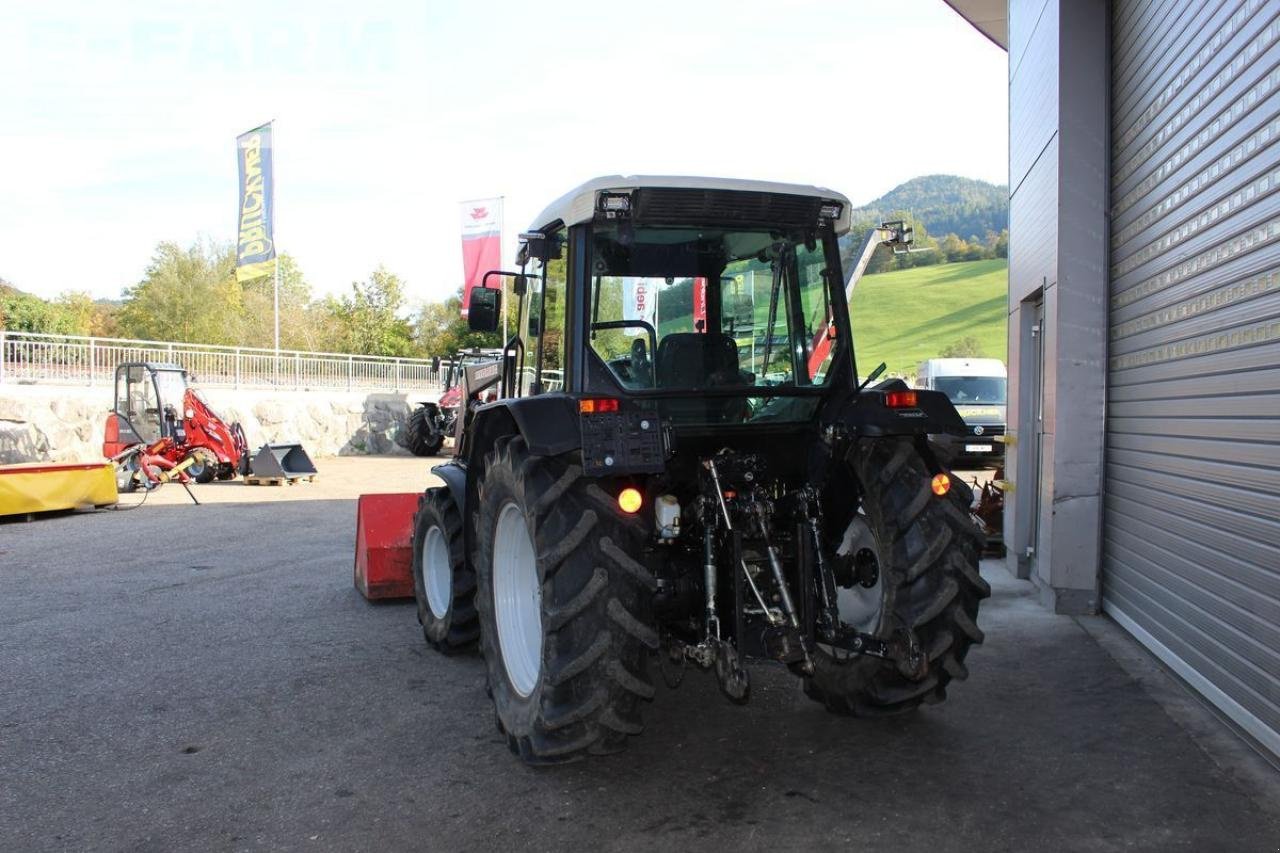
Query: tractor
{"x": 160, "y": 424}
{"x": 682, "y": 470}
{"x": 434, "y": 420}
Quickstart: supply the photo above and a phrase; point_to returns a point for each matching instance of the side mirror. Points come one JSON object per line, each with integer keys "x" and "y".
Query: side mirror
{"x": 484, "y": 309}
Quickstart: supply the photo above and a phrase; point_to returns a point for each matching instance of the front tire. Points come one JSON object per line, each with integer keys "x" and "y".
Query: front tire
{"x": 443, "y": 584}
{"x": 564, "y": 608}
{"x": 927, "y": 549}
{"x": 422, "y": 436}
{"x": 204, "y": 466}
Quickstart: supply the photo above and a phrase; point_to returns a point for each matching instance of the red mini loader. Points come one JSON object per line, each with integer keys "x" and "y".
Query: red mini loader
{"x": 147, "y": 413}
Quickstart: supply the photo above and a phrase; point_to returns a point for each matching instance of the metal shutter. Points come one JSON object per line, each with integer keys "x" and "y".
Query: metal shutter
{"x": 1191, "y": 540}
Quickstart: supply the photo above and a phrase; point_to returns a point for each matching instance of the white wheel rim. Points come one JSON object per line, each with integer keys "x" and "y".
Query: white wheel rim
{"x": 437, "y": 572}
{"x": 860, "y": 606}
{"x": 517, "y": 600}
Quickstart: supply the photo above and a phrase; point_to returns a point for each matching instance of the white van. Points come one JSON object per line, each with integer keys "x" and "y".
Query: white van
{"x": 978, "y": 388}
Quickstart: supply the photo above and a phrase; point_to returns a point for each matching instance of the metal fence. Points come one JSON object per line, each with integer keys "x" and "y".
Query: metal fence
{"x": 27, "y": 358}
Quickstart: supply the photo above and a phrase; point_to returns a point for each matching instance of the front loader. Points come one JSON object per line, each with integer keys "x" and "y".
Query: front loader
{"x": 709, "y": 486}
{"x": 160, "y": 424}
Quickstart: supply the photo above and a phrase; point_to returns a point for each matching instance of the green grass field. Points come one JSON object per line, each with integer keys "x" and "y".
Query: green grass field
{"x": 906, "y": 316}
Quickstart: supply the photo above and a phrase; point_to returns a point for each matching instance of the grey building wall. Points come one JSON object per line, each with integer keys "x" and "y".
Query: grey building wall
{"x": 1191, "y": 546}
{"x": 1058, "y": 158}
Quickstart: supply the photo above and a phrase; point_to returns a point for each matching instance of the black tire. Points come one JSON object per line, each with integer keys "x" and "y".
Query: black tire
{"x": 595, "y": 604}
{"x": 205, "y": 466}
{"x": 929, "y": 549}
{"x": 458, "y": 628}
{"x": 420, "y": 433}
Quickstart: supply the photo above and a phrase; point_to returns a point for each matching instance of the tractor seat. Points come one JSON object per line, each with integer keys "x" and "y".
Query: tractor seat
{"x": 697, "y": 360}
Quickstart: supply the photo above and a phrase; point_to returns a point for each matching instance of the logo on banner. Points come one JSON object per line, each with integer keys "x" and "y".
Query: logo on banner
{"x": 481, "y": 243}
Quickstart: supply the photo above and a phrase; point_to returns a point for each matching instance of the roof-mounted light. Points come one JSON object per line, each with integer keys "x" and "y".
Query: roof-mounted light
{"x": 830, "y": 210}
{"x": 613, "y": 205}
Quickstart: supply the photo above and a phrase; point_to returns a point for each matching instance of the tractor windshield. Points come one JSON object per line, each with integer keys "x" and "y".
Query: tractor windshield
{"x": 707, "y": 309}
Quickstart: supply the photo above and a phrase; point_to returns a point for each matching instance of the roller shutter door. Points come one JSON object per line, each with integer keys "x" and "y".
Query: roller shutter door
{"x": 1191, "y": 540}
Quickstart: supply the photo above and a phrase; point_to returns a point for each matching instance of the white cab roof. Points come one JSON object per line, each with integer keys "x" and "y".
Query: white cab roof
{"x": 579, "y": 204}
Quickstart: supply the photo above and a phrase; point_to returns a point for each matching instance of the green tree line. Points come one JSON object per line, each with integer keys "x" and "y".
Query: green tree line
{"x": 191, "y": 294}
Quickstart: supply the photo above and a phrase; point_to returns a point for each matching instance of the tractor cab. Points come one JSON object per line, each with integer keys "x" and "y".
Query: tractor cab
{"x": 147, "y": 402}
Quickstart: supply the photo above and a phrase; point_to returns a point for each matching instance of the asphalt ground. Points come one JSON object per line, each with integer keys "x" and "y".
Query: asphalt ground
{"x": 181, "y": 677}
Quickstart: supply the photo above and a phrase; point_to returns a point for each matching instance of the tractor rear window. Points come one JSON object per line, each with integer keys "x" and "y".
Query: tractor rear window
{"x": 704, "y": 308}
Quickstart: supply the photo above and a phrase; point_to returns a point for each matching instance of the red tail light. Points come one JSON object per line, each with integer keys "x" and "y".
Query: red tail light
{"x": 597, "y": 406}
{"x": 901, "y": 400}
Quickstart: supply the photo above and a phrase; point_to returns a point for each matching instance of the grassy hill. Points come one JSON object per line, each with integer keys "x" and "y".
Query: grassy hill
{"x": 906, "y": 316}
{"x": 944, "y": 204}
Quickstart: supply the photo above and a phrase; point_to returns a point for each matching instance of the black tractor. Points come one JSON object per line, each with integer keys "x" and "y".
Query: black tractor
{"x": 681, "y": 469}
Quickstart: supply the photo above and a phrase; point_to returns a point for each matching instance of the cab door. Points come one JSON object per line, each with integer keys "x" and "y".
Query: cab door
{"x": 138, "y": 402}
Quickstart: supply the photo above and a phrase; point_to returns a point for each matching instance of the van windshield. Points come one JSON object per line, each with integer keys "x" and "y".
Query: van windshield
{"x": 966, "y": 390}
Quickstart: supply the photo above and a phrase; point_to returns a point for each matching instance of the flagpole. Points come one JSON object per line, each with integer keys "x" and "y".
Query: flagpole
{"x": 502, "y": 279}
{"x": 276, "y": 297}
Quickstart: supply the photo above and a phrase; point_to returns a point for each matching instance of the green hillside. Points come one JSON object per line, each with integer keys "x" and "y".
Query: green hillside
{"x": 906, "y": 316}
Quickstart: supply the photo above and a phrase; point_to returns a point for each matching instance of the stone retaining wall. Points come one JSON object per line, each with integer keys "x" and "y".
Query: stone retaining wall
{"x": 43, "y": 423}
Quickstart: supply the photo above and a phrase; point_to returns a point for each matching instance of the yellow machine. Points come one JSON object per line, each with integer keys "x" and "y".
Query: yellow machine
{"x": 41, "y": 487}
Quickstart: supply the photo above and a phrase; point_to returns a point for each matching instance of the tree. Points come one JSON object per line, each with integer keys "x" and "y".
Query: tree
{"x": 442, "y": 330}
{"x": 966, "y": 347}
{"x": 186, "y": 295}
{"x": 368, "y": 319}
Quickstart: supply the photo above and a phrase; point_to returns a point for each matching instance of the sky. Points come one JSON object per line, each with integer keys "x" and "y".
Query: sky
{"x": 119, "y": 126}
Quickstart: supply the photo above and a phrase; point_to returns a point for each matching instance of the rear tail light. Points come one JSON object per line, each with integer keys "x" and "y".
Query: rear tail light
{"x": 597, "y": 406}
{"x": 901, "y": 400}
{"x": 941, "y": 484}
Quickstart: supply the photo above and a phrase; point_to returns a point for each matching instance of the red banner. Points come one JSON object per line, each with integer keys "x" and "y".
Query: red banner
{"x": 700, "y": 304}
{"x": 481, "y": 243}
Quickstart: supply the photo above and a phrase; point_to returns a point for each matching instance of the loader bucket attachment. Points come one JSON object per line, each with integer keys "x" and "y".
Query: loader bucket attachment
{"x": 286, "y": 461}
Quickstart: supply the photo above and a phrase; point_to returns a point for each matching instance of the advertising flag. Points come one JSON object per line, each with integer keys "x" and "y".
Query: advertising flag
{"x": 255, "y": 241}
{"x": 639, "y": 302}
{"x": 481, "y": 243}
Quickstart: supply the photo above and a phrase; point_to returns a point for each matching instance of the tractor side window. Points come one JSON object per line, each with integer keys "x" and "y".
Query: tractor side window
{"x": 543, "y": 368}
{"x": 817, "y": 324}
{"x": 555, "y": 288}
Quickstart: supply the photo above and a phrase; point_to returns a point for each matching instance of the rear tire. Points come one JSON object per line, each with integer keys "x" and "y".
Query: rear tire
{"x": 443, "y": 584}
{"x": 578, "y": 590}
{"x": 421, "y": 435}
{"x": 928, "y": 548}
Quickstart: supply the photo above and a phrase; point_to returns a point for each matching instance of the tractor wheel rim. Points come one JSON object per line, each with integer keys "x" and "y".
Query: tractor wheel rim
{"x": 517, "y": 600}
{"x": 861, "y": 607}
{"x": 438, "y": 572}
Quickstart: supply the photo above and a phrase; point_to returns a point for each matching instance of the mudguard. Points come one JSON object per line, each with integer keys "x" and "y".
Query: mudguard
{"x": 454, "y": 475}
{"x": 868, "y": 413}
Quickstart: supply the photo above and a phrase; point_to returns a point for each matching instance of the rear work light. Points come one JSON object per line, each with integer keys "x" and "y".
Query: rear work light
{"x": 630, "y": 500}
{"x": 901, "y": 400}
{"x": 597, "y": 406}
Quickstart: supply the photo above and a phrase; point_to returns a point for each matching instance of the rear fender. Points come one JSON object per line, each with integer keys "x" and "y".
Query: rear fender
{"x": 868, "y": 413}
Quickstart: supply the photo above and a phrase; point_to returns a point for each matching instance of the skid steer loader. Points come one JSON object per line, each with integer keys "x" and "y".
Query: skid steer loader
{"x": 709, "y": 487}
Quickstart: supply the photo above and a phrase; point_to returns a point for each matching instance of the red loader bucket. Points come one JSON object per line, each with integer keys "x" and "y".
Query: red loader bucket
{"x": 384, "y": 545}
